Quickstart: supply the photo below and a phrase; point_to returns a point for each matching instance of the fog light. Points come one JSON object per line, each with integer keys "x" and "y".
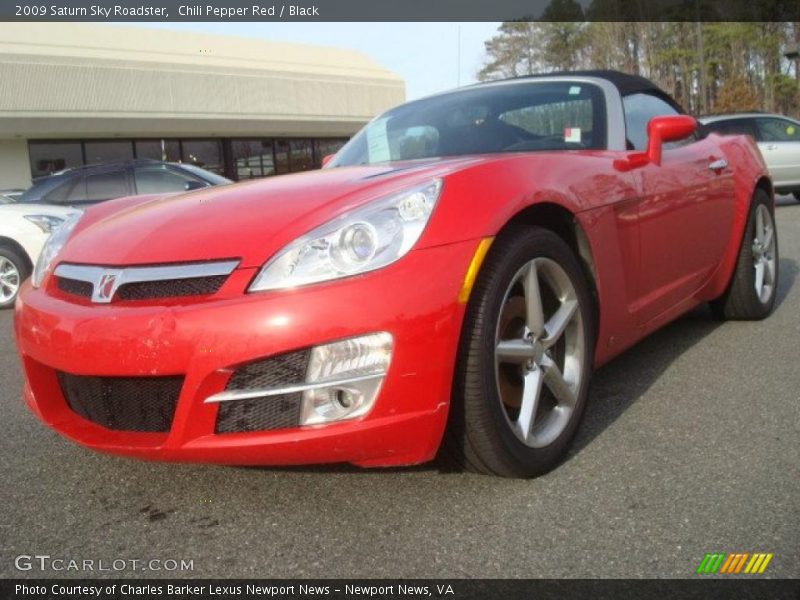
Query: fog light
{"x": 355, "y": 369}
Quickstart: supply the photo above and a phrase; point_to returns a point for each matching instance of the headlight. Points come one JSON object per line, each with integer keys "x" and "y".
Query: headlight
{"x": 52, "y": 247}
{"x": 365, "y": 239}
{"x": 45, "y": 222}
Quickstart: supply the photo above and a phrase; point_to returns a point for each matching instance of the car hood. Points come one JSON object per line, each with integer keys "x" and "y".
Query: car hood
{"x": 247, "y": 221}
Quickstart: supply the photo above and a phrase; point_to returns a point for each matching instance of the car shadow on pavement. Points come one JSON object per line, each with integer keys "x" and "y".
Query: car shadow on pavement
{"x": 620, "y": 383}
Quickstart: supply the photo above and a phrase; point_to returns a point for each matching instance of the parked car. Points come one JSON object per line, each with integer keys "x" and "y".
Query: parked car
{"x": 97, "y": 183}
{"x": 778, "y": 139}
{"x": 23, "y": 231}
{"x": 10, "y": 195}
{"x": 455, "y": 272}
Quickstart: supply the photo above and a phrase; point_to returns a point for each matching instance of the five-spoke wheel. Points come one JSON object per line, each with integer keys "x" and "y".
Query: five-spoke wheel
{"x": 754, "y": 283}
{"x": 525, "y": 357}
{"x": 539, "y": 352}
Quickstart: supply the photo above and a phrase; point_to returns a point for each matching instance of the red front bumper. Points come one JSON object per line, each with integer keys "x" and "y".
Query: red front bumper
{"x": 415, "y": 300}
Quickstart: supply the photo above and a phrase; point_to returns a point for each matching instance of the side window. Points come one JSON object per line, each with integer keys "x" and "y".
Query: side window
{"x": 159, "y": 180}
{"x": 59, "y": 194}
{"x": 777, "y": 130}
{"x": 732, "y": 127}
{"x": 105, "y": 186}
{"x": 639, "y": 109}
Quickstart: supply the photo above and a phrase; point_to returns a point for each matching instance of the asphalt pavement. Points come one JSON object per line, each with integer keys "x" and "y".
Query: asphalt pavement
{"x": 689, "y": 445}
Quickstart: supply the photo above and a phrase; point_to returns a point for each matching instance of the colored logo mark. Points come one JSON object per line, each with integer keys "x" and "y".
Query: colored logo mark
{"x": 734, "y": 563}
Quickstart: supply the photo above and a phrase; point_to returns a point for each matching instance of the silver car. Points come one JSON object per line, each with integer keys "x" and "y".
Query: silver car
{"x": 778, "y": 138}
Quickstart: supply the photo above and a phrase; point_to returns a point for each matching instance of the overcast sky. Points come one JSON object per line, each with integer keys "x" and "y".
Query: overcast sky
{"x": 426, "y": 55}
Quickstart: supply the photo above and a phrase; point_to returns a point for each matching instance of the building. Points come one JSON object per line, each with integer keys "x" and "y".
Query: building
{"x": 79, "y": 93}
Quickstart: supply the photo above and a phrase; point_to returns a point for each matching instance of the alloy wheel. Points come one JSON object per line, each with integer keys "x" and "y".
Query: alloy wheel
{"x": 764, "y": 254}
{"x": 539, "y": 352}
{"x": 9, "y": 280}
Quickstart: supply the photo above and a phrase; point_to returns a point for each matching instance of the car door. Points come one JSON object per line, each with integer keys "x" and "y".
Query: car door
{"x": 779, "y": 142}
{"x": 685, "y": 211}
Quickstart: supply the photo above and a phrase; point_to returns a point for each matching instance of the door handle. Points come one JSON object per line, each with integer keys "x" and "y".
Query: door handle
{"x": 718, "y": 165}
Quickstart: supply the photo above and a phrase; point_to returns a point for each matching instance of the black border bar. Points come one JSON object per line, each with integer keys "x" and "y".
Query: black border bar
{"x": 399, "y": 10}
{"x": 412, "y": 589}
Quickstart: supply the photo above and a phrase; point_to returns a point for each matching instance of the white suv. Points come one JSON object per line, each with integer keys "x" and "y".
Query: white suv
{"x": 24, "y": 228}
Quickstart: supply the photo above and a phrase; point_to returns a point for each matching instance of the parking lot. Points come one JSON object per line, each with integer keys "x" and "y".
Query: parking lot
{"x": 689, "y": 445}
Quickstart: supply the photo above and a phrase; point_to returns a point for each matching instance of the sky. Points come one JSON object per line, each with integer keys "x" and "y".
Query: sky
{"x": 426, "y": 55}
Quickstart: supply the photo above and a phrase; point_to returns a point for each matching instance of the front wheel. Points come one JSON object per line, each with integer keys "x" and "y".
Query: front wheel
{"x": 754, "y": 285}
{"x": 525, "y": 358}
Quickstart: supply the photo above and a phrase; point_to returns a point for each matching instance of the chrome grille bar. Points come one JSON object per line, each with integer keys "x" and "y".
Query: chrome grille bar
{"x": 107, "y": 280}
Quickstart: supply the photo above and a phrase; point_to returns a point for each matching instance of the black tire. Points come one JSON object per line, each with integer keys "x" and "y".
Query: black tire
{"x": 740, "y": 301}
{"x": 23, "y": 271}
{"x": 479, "y": 436}
{"x": 796, "y": 196}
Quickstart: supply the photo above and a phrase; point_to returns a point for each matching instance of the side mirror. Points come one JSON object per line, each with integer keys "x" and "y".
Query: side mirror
{"x": 667, "y": 129}
{"x": 195, "y": 185}
{"x": 659, "y": 131}
{"x": 327, "y": 158}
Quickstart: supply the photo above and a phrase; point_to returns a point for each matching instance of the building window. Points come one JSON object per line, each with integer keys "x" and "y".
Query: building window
{"x": 242, "y": 158}
{"x": 282, "y": 157}
{"x": 166, "y": 150}
{"x": 252, "y": 158}
{"x": 104, "y": 152}
{"x": 49, "y": 157}
{"x": 323, "y": 148}
{"x": 206, "y": 154}
{"x": 302, "y": 155}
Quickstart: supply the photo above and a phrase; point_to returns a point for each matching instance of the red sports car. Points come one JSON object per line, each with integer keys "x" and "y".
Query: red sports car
{"x": 448, "y": 280}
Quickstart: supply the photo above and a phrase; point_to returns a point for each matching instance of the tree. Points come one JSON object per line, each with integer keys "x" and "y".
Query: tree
{"x": 718, "y": 66}
{"x": 516, "y": 50}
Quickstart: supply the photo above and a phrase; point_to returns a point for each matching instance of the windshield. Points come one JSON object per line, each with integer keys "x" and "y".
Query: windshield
{"x": 515, "y": 117}
{"x": 40, "y": 188}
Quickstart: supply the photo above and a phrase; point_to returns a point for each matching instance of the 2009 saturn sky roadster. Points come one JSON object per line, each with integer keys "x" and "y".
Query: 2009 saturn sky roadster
{"x": 449, "y": 279}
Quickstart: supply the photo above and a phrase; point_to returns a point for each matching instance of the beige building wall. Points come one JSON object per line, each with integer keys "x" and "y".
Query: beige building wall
{"x": 66, "y": 80}
{"x": 15, "y": 169}
{"x": 81, "y": 80}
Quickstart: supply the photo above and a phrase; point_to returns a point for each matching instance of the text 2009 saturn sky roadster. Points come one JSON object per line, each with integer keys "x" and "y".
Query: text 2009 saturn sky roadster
{"x": 447, "y": 281}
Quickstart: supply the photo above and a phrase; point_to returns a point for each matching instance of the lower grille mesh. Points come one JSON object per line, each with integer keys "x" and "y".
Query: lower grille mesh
{"x": 284, "y": 369}
{"x": 270, "y": 412}
{"x": 145, "y": 404}
{"x": 259, "y": 414}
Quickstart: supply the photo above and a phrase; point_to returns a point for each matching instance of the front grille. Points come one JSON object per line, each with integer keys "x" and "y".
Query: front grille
{"x": 259, "y": 414}
{"x": 171, "y": 288}
{"x": 149, "y": 290}
{"x": 269, "y": 412}
{"x": 74, "y": 287}
{"x": 123, "y": 403}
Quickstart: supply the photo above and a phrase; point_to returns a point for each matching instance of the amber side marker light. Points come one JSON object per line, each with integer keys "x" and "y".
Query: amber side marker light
{"x": 474, "y": 267}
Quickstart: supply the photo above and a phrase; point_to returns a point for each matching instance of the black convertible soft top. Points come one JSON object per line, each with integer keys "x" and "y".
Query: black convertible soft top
{"x": 624, "y": 82}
